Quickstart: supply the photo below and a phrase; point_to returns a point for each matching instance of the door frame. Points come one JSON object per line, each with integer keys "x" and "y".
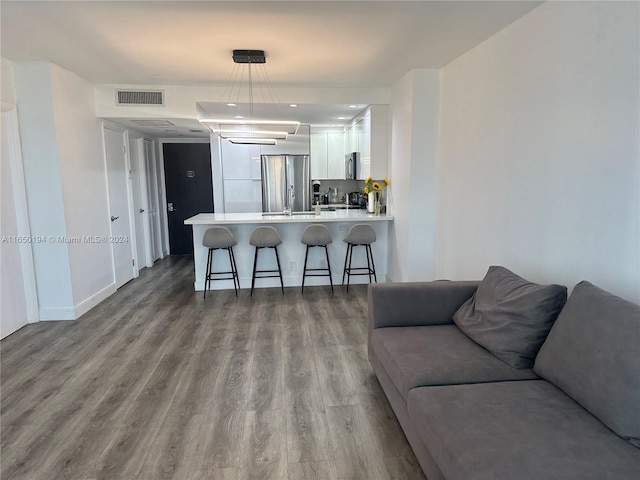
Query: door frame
{"x": 163, "y": 185}
{"x": 154, "y": 200}
{"x": 10, "y": 115}
{"x": 132, "y": 231}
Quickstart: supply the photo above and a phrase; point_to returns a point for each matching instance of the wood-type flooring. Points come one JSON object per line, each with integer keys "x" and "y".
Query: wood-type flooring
{"x": 157, "y": 383}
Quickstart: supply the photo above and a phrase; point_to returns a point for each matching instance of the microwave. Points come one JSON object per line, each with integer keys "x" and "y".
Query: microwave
{"x": 350, "y": 163}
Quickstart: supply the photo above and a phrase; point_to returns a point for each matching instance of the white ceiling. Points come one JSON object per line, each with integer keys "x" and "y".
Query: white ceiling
{"x": 307, "y": 43}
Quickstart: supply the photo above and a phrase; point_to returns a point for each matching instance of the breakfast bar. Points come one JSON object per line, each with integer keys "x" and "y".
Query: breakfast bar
{"x": 291, "y": 251}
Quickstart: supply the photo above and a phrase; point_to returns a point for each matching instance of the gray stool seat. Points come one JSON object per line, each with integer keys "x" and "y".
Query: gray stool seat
{"x": 360, "y": 235}
{"x": 316, "y": 236}
{"x": 220, "y": 238}
{"x": 265, "y": 237}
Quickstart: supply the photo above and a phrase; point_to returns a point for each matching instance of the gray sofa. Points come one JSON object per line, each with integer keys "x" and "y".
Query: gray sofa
{"x": 469, "y": 415}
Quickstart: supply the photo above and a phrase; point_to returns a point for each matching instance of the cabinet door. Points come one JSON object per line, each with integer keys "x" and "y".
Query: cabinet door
{"x": 335, "y": 155}
{"x": 364, "y": 147}
{"x": 242, "y": 196}
{"x": 237, "y": 160}
{"x": 318, "y": 156}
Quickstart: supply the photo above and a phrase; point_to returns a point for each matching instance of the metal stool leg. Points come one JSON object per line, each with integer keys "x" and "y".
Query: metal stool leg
{"x": 366, "y": 250}
{"x": 253, "y": 275}
{"x": 326, "y": 251}
{"x": 236, "y": 279}
{"x": 373, "y": 266}
{"x": 346, "y": 257}
{"x": 279, "y": 269}
{"x": 233, "y": 270}
{"x": 207, "y": 275}
{"x": 349, "y": 269}
{"x": 304, "y": 269}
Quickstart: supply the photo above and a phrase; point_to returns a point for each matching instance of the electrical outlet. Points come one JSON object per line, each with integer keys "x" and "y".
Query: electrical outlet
{"x": 343, "y": 227}
{"x": 293, "y": 266}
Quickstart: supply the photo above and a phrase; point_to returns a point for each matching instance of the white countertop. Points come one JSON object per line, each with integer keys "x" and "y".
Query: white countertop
{"x": 343, "y": 215}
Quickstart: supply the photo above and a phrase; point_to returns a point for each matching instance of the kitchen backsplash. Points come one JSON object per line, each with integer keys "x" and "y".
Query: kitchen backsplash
{"x": 344, "y": 186}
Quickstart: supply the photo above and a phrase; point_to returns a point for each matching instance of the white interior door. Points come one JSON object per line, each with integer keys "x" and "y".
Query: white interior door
{"x": 117, "y": 178}
{"x": 19, "y": 305}
{"x": 138, "y": 189}
{"x": 153, "y": 202}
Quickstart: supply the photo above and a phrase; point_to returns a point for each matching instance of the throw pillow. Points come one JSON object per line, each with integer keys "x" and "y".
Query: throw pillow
{"x": 510, "y": 316}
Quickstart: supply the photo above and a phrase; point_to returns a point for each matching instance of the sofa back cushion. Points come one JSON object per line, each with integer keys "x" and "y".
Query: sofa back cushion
{"x": 510, "y": 316}
{"x": 593, "y": 354}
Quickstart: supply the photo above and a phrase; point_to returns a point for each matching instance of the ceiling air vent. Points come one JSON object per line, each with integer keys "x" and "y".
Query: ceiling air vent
{"x": 139, "y": 97}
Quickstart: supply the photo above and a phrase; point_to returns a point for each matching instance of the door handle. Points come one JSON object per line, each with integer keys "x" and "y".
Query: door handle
{"x": 170, "y": 207}
{"x": 142, "y": 210}
{"x": 113, "y": 219}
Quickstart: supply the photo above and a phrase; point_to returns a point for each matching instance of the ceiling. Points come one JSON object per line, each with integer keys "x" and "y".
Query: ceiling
{"x": 307, "y": 43}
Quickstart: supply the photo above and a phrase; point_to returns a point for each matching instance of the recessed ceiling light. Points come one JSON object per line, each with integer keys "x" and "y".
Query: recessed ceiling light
{"x": 342, "y": 118}
{"x": 231, "y": 104}
{"x": 353, "y": 106}
{"x": 238, "y": 116}
{"x": 293, "y": 105}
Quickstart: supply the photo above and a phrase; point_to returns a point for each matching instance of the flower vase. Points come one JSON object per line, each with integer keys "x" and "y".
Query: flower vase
{"x": 371, "y": 202}
{"x": 377, "y": 206}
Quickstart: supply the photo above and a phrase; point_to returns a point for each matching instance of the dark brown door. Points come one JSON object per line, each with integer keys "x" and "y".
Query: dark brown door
{"x": 187, "y": 173}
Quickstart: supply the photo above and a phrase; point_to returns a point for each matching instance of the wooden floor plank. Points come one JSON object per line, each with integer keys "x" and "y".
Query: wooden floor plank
{"x": 158, "y": 383}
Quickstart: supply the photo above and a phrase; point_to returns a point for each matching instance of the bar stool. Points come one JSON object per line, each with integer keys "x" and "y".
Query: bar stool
{"x": 360, "y": 235}
{"x": 220, "y": 238}
{"x": 316, "y": 236}
{"x": 265, "y": 237}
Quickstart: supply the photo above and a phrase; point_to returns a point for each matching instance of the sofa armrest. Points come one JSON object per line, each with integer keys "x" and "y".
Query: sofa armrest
{"x": 417, "y": 304}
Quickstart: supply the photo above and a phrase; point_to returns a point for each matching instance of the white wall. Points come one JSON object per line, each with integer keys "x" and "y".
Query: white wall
{"x": 413, "y": 116}
{"x": 540, "y": 167}
{"x": 44, "y": 188}
{"x": 84, "y": 188}
{"x": 7, "y": 90}
{"x": 66, "y": 188}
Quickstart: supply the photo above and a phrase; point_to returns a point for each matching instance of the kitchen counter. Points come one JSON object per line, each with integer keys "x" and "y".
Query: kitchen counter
{"x": 292, "y": 251}
{"x": 339, "y": 215}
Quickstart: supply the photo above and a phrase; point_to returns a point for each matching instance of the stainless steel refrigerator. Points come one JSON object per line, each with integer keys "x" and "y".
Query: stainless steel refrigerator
{"x": 286, "y": 183}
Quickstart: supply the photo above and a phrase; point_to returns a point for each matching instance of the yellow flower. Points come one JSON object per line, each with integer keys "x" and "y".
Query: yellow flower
{"x": 366, "y": 189}
{"x": 376, "y": 186}
{"x": 367, "y": 180}
{"x": 386, "y": 181}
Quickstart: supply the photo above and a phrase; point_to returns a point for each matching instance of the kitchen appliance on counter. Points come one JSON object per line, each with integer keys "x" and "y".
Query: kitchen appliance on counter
{"x": 286, "y": 183}
{"x": 316, "y": 192}
{"x": 350, "y": 163}
{"x": 357, "y": 199}
{"x": 334, "y": 196}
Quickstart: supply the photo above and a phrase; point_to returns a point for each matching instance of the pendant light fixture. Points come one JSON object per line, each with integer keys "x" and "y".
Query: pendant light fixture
{"x": 238, "y": 128}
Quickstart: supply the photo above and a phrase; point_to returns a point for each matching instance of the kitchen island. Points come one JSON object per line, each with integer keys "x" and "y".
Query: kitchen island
{"x": 291, "y": 251}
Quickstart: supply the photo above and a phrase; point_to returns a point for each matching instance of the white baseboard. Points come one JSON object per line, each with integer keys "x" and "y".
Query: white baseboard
{"x": 86, "y": 305}
{"x": 49, "y": 314}
{"x": 53, "y": 314}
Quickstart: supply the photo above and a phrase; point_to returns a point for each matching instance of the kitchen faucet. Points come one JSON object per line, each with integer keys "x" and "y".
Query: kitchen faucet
{"x": 290, "y": 198}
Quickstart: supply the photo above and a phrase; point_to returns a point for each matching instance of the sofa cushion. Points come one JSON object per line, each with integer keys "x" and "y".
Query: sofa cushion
{"x": 437, "y": 355}
{"x": 517, "y": 430}
{"x": 593, "y": 354}
{"x": 510, "y": 316}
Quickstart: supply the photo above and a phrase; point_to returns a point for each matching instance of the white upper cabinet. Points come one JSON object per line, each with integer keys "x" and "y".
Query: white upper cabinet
{"x": 335, "y": 155}
{"x": 327, "y": 156}
{"x": 319, "y": 147}
{"x": 367, "y": 135}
